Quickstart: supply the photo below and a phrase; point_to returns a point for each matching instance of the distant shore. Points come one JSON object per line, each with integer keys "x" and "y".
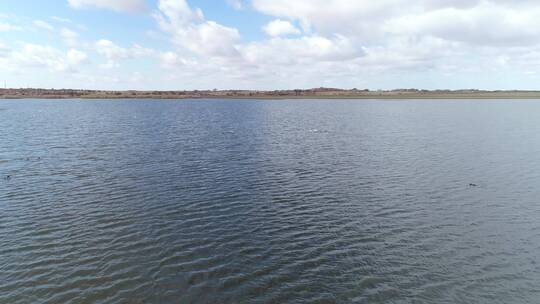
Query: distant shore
{"x": 318, "y": 93}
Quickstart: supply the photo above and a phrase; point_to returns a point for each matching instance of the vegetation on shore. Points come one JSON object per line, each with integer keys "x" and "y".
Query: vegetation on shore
{"x": 322, "y": 93}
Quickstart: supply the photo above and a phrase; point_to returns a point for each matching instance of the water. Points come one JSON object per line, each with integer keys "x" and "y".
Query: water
{"x": 213, "y": 201}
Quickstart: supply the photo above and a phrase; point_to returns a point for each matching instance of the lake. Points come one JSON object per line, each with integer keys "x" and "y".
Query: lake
{"x": 269, "y": 201}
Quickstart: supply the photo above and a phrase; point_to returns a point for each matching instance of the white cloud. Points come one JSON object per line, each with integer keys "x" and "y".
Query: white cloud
{"x": 61, "y": 19}
{"x": 8, "y": 27}
{"x": 236, "y": 4}
{"x": 76, "y": 57}
{"x": 304, "y": 49}
{"x": 171, "y": 60}
{"x": 479, "y": 22}
{"x": 386, "y": 37}
{"x": 280, "y": 27}
{"x": 116, "y": 5}
{"x": 113, "y": 53}
{"x": 190, "y": 30}
{"x": 39, "y": 56}
{"x": 218, "y": 49}
{"x": 69, "y": 37}
{"x": 4, "y": 51}
{"x": 332, "y": 16}
{"x": 483, "y": 24}
{"x": 308, "y": 43}
{"x": 43, "y": 25}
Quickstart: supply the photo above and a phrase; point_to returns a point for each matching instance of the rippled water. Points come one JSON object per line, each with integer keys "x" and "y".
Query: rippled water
{"x": 318, "y": 201}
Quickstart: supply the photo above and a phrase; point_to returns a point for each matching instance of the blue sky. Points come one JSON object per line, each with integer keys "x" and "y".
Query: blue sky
{"x": 270, "y": 44}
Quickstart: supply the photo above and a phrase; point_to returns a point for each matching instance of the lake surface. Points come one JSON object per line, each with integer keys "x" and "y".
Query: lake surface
{"x": 304, "y": 201}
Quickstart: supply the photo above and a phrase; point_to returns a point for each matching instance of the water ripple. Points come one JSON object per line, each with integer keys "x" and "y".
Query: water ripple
{"x": 269, "y": 202}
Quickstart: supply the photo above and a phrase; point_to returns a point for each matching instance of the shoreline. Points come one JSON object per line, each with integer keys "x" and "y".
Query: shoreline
{"x": 321, "y": 93}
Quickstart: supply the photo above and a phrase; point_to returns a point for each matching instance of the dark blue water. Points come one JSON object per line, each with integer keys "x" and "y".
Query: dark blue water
{"x": 319, "y": 201}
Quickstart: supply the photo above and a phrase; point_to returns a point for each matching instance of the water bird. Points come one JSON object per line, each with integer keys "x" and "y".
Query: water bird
{"x": 473, "y": 185}
{"x": 8, "y": 177}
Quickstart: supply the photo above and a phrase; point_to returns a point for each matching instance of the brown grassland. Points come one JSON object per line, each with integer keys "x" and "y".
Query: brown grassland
{"x": 318, "y": 93}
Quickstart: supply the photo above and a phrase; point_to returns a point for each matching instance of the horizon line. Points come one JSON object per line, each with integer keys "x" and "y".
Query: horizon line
{"x": 278, "y": 90}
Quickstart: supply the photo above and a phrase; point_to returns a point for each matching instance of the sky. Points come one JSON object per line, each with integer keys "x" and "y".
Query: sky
{"x": 270, "y": 44}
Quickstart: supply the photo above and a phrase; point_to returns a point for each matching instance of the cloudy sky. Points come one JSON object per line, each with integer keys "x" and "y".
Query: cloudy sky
{"x": 270, "y": 44}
